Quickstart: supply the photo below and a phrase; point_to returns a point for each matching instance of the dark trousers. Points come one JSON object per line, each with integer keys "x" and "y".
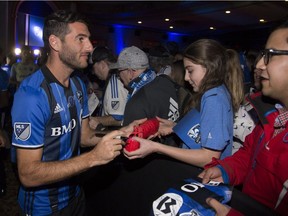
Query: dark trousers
{"x": 2, "y": 170}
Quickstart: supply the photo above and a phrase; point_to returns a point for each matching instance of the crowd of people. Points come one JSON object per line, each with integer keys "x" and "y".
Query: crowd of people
{"x": 85, "y": 97}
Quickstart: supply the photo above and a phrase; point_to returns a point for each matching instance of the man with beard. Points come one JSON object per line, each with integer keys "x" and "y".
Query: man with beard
{"x": 48, "y": 131}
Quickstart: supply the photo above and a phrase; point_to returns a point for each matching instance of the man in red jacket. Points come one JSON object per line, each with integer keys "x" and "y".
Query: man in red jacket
{"x": 261, "y": 165}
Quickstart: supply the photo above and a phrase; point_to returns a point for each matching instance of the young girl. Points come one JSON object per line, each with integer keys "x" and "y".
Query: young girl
{"x": 207, "y": 129}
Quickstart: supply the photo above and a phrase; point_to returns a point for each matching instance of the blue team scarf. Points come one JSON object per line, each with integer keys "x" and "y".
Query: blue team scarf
{"x": 143, "y": 79}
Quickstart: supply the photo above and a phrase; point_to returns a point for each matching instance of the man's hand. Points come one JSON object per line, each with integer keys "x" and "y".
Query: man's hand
{"x": 93, "y": 122}
{"x": 221, "y": 210}
{"x": 108, "y": 148}
{"x": 213, "y": 173}
{"x": 130, "y": 128}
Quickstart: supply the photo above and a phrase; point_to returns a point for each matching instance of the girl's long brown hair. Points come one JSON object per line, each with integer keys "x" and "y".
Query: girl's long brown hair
{"x": 221, "y": 68}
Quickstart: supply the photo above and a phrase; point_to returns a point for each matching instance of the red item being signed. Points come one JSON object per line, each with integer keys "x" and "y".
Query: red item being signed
{"x": 144, "y": 130}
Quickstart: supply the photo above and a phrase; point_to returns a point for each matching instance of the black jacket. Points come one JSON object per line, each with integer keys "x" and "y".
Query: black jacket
{"x": 161, "y": 97}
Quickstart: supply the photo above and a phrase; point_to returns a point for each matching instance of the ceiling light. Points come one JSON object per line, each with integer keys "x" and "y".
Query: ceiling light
{"x": 212, "y": 28}
{"x": 167, "y": 20}
{"x": 261, "y": 20}
{"x": 171, "y": 27}
{"x": 17, "y": 51}
{"x": 36, "y": 52}
{"x": 139, "y": 22}
{"x": 227, "y": 12}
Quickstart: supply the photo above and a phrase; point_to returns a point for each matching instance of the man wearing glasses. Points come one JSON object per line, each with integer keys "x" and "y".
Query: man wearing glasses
{"x": 261, "y": 164}
{"x": 134, "y": 71}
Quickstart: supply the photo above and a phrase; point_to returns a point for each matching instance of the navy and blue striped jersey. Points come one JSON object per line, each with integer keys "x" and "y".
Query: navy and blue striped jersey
{"x": 47, "y": 115}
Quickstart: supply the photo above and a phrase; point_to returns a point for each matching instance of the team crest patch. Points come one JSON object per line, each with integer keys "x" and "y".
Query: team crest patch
{"x": 79, "y": 96}
{"x": 194, "y": 133}
{"x": 22, "y": 130}
{"x": 70, "y": 101}
{"x": 115, "y": 105}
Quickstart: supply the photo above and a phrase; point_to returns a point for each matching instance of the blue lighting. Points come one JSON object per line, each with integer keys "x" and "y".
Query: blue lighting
{"x": 174, "y": 37}
{"x": 36, "y": 31}
{"x": 119, "y": 38}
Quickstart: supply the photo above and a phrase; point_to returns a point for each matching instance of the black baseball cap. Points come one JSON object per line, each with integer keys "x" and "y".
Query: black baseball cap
{"x": 101, "y": 53}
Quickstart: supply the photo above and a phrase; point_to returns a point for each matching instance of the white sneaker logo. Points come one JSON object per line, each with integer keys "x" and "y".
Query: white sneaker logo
{"x": 58, "y": 109}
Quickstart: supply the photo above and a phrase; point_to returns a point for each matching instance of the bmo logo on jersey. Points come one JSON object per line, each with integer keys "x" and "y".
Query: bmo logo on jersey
{"x": 58, "y": 131}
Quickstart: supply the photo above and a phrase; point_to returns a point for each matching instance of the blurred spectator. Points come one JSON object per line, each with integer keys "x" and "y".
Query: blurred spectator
{"x": 178, "y": 72}
{"x": 42, "y": 58}
{"x": 172, "y": 47}
{"x": 2, "y": 57}
{"x": 115, "y": 94}
{"x": 257, "y": 82}
{"x": 9, "y": 61}
{"x": 243, "y": 123}
{"x": 178, "y": 56}
{"x": 246, "y": 117}
{"x": 4, "y": 143}
{"x": 250, "y": 57}
{"x": 245, "y": 68}
{"x": 160, "y": 60}
{"x": 24, "y": 68}
{"x": 4, "y": 97}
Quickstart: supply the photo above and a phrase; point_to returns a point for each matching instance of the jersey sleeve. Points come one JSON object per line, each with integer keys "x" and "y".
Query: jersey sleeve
{"x": 30, "y": 112}
{"x": 216, "y": 122}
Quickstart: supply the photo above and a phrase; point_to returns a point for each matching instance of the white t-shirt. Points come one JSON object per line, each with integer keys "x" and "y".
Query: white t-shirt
{"x": 243, "y": 126}
{"x": 115, "y": 98}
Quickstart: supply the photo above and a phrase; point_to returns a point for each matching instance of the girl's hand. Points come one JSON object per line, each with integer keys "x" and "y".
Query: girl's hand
{"x": 146, "y": 147}
{"x": 165, "y": 126}
{"x": 221, "y": 210}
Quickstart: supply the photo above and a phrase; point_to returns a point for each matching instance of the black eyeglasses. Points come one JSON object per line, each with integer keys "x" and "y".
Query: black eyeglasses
{"x": 268, "y": 53}
{"x": 120, "y": 70}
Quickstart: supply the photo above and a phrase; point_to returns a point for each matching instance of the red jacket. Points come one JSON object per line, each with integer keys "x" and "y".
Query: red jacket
{"x": 261, "y": 165}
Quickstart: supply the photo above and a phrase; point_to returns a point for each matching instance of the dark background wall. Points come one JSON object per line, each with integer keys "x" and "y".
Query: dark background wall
{"x": 116, "y": 37}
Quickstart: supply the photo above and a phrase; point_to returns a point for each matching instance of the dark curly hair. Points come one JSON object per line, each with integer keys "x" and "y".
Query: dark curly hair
{"x": 57, "y": 24}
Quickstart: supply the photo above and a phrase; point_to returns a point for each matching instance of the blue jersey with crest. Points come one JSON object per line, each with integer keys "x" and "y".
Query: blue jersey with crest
{"x": 47, "y": 115}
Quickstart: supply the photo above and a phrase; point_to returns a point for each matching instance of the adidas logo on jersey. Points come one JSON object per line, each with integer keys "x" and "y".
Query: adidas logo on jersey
{"x": 58, "y": 109}
{"x": 173, "y": 114}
